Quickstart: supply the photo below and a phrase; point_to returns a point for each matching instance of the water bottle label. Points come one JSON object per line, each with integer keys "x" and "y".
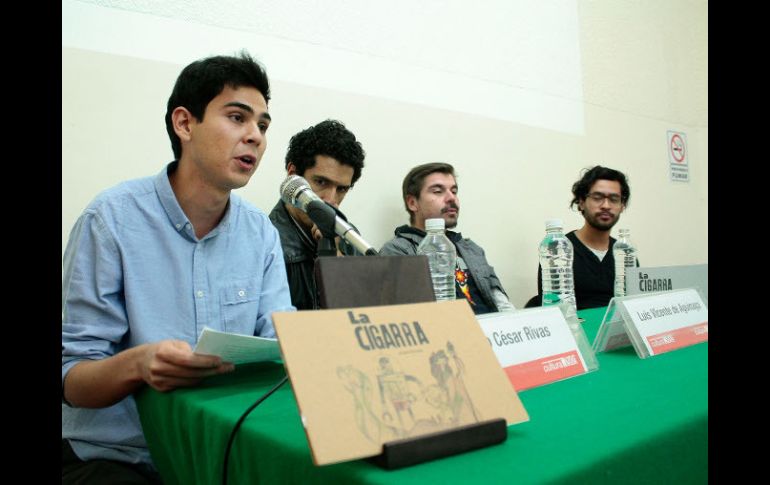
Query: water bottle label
{"x": 550, "y": 299}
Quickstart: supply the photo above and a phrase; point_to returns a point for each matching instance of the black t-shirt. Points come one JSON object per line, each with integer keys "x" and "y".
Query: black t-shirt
{"x": 465, "y": 287}
{"x": 594, "y": 279}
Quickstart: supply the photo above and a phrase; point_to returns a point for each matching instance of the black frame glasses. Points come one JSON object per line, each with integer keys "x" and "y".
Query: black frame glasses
{"x": 598, "y": 198}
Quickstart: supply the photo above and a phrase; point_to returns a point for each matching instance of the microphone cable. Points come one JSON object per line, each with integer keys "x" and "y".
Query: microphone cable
{"x": 240, "y": 421}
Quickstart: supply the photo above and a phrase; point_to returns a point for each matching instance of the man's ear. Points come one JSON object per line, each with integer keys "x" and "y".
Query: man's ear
{"x": 181, "y": 121}
{"x": 291, "y": 169}
{"x": 411, "y": 203}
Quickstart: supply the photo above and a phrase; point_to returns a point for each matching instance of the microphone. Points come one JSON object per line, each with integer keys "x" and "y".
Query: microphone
{"x": 296, "y": 191}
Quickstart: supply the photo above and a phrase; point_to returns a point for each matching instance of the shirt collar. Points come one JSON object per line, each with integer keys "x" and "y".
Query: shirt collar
{"x": 176, "y": 215}
{"x": 452, "y": 235}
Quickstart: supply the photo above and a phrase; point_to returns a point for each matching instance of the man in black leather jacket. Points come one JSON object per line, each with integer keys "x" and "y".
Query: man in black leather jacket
{"x": 330, "y": 158}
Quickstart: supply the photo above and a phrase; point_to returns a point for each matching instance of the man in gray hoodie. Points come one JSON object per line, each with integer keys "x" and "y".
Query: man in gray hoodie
{"x": 430, "y": 191}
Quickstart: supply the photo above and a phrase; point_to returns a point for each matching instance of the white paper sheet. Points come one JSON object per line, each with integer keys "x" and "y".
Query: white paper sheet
{"x": 238, "y": 349}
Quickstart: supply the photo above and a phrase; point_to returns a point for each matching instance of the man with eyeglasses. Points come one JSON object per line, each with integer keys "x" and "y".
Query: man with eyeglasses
{"x": 601, "y": 195}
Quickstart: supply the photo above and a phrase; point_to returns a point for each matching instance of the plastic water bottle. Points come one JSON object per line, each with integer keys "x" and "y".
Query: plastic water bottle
{"x": 442, "y": 257}
{"x": 556, "y": 255}
{"x": 624, "y": 253}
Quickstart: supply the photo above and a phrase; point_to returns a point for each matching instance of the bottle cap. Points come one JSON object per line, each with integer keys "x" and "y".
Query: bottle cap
{"x": 552, "y": 223}
{"x": 434, "y": 224}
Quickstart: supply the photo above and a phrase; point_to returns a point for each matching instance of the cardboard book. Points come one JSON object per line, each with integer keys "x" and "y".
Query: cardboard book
{"x": 366, "y": 376}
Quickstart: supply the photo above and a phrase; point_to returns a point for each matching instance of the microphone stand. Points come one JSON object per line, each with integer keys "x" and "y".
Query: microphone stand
{"x": 326, "y": 247}
{"x": 370, "y": 251}
{"x": 325, "y": 219}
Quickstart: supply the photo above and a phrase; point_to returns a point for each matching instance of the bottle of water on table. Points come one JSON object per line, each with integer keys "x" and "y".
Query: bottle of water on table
{"x": 442, "y": 257}
{"x": 556, "y": 255}
{"x": 624, "y": 253}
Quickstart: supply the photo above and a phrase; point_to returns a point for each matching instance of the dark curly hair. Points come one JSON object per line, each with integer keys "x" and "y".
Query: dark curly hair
{"x": 590, "y": 176}
{"x": 204, "y": 80}
{"x": 329, "y": 138}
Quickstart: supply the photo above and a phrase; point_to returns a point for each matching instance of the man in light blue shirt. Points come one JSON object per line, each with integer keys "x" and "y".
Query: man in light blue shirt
{"x": 152, "y": 261}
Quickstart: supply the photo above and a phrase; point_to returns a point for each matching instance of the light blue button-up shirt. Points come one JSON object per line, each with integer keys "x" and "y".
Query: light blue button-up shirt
{"x": 134, "y": 273}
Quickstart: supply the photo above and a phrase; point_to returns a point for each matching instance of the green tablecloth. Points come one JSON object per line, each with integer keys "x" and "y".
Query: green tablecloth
{"x": 631, "y": 421}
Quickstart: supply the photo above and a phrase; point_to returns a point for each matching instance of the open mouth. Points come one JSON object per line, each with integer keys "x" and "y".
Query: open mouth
{"x": 247, "y": 160}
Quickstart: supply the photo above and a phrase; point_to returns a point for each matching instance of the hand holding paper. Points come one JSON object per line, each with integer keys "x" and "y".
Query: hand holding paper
{"x": 238, "y": 349}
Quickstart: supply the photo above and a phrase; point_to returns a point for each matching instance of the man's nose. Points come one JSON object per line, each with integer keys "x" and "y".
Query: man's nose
{"x": 327, "y": 195}
{"x": 254, "y": 135}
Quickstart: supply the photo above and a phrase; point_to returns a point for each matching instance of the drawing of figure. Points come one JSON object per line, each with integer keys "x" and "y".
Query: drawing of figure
{"x": 452, "y": 383}
{"x": 357, "y": 383}
{"x": 465, "y": 404}
{"x": 436, "y": 399}
{"x": 394, "y": 389}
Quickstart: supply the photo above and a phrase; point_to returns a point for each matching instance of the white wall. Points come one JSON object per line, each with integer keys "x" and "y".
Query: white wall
{"x": 631, "y": 72}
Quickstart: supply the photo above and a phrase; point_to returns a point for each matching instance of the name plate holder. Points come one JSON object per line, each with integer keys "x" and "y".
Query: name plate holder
{"x": 654, "y": 323}
{"x": 411, "y": 451}
{"x": 537, "y": 346}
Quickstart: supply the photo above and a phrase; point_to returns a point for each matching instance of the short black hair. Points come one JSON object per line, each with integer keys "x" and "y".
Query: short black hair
{"x": 414, "y": 180}
{"x": 205, "y": 79}
{"x": 329, "y": 138}
{"x": 591, "y": 175}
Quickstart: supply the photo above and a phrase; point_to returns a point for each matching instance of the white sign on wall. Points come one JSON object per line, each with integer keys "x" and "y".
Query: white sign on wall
{"x": 678, "y": 158}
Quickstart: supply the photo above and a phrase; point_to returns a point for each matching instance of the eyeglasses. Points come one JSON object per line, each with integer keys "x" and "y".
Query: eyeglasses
{"x": 598, "y": 198}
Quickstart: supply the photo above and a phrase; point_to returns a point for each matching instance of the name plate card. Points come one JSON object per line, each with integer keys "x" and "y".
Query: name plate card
{"x": 655, "y": 323}
{"x": 537, "y": 346}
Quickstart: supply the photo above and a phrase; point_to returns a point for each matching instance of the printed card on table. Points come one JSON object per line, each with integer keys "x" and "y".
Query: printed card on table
{"x": 367, "y": 376}
{"x": 534, "y": 346}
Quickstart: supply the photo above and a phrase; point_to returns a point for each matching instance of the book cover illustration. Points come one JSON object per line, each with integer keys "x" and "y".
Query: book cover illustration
{"x": 394, "y": 404}
{"x": 366, "y": 376}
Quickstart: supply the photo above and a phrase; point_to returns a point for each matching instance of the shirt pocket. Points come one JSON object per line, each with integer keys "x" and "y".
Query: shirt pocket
{"x": 240, "y": 307}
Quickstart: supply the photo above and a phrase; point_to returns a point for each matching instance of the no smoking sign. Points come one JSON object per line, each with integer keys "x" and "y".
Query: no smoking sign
{"x": 678, "y": 157}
